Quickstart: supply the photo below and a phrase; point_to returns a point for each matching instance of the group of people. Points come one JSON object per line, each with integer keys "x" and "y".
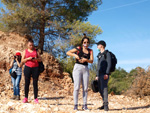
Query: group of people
{"x": 83, "y": 56}
{"x": 30, "y": 57}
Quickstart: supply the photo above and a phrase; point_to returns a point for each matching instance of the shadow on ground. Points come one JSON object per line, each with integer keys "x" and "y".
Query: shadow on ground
{"x": 51, "y": 98}
{"x": 131, "y": 108}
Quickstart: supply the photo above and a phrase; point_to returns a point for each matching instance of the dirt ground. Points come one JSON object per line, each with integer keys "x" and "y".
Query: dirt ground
{"x": 54, "y": 98}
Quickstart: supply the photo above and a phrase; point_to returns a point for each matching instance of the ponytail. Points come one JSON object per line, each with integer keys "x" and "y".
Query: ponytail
{"x": 85, "y": 37}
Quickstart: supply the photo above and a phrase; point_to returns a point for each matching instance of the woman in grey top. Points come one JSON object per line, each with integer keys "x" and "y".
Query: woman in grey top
{"x": 16, "y": 67}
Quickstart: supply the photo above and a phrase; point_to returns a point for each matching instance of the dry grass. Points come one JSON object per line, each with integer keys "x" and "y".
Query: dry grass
{"x": 141, "y": 84}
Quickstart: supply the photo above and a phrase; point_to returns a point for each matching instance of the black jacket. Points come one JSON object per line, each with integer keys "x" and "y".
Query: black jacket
{"x": 104, "y": 63}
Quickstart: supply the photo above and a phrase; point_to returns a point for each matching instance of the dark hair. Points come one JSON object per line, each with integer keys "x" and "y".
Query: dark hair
{"x": 85, "y": 37}
{"x": 29, "y": 38}
{"x": 19, "y": 58}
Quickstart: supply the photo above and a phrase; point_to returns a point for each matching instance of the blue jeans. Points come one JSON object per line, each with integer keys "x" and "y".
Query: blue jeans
{"x": 16, "y": 84}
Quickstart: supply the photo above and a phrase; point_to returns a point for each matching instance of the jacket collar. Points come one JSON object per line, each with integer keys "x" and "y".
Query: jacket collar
{"x": 101, "y": 54}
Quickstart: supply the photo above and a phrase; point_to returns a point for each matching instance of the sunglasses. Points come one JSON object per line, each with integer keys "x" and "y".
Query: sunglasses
{"x": 86, "y": 42}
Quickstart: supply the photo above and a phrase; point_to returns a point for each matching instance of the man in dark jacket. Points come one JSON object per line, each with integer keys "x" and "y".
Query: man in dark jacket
{"x": 103, "y": 72}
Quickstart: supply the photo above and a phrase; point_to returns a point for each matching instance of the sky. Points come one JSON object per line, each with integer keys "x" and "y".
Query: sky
{"x": 126, "y": 31}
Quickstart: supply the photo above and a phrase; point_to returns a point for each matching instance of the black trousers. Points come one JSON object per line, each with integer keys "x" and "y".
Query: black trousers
{"x": 28, "y": 71}
{"x": 103, "y": 88}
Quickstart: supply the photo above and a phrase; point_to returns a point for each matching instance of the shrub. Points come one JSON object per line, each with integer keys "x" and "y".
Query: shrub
{"x": 67, "y": 65}
{"x": 120, "y": 81}
{"x": 141, "y": 83}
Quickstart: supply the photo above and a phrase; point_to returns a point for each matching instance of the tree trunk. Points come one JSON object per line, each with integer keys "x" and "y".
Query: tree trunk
{"x": 42, "y": 27}
{"x": 42, "y": 37}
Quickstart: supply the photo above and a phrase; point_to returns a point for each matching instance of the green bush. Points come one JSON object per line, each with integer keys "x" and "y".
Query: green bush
{"x": 67, "y": 64}
{"x": 92, "y": 71}
{"x": 120, "y": 81}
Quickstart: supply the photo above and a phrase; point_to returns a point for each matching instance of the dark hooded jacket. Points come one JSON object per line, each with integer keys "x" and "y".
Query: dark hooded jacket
{"x": 104, "y": 63}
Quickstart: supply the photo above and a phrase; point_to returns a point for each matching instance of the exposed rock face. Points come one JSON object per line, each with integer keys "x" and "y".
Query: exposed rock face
{"x": 11, "y": 43}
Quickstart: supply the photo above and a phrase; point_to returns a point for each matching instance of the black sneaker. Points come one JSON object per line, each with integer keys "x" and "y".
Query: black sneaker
{"x": 85, "y": 107}
{"x": 75, "y": 107}
{"x": 102, "y": 107}
{"x": 106, "y": 108}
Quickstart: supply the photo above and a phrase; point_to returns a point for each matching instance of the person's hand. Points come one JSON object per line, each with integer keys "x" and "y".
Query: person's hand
{"x": 29, "y": 58}
{"x": 96, "y": 78}
{"x": 105, "y": 77}
{"x": 34, "y": 59}
{"x": 77, "y": 57}
{"x": 16, "y": 59}
{"x": 82, "y": 60}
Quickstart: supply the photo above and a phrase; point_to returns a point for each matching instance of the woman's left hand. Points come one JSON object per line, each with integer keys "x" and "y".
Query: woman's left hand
{"x": 82, "y": 60}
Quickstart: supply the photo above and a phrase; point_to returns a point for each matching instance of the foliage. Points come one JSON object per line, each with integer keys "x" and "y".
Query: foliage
{"x": 67, "y": 65}
{"x": 120, "y": 81}
{"x": 92, "y": 70}
{"x": 55, "y": 24}
{"x": 74, "y": 37}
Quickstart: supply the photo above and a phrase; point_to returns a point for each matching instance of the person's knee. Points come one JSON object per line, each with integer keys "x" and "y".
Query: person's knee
{"x": 17, "y": 85}
{"x": 85, "y": 90}
{"x": 13, "y": 83}
{"x": 105, "y": 90}
{"x": 35, "y": 82}
{"x": 77, "y": 88}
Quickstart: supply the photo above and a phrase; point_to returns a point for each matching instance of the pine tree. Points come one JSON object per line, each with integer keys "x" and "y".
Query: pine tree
{"x": 50, "y": 21}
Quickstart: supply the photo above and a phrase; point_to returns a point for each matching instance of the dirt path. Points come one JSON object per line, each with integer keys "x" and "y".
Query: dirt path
{"x": 53, "y": 99}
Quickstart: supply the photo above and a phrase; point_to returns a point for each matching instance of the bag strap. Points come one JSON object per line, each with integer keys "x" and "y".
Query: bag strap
{"x": 79, "y": 49}
{"x": 89, "y": 51}
{"x": 105, "y": 54}
{"x": 17, "y": 67}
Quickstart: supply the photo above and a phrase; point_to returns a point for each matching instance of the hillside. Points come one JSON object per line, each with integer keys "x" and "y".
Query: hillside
{"x": 11, "y": 43}
{"x": 55, "y": 87}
